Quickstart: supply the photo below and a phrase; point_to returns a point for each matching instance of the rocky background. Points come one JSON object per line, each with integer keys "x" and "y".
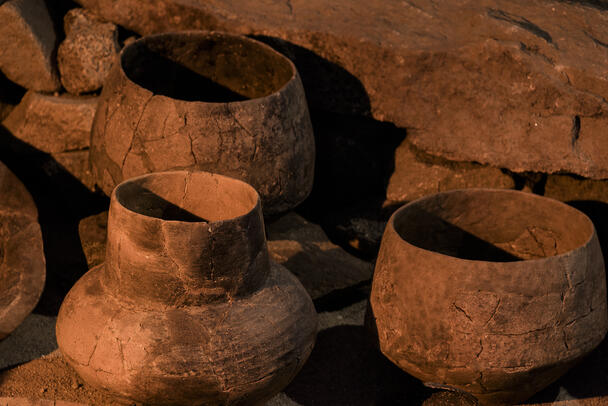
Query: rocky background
{"x": 407, "y": 98}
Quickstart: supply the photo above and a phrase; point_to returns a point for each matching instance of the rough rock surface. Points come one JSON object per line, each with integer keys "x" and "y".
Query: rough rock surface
{"x": 88, "y": 51}
{"x": 53, "y": 123}
{"x": 567, "y": 188}
{"x": 304, "y": 249}
{"x": 514, "y": 84}
{"x": 27, "y": 41}
{"x": 417, "y": 175}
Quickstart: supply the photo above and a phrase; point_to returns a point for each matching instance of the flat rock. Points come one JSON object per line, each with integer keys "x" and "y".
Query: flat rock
{"x": 27, "y": 40}
{"x": 417, "y": 175}
{"x": 304, "y": 249}
{"x": 53, "y": 124}
{"x": 88, "y": 51}
{"x": 515, "y": 84}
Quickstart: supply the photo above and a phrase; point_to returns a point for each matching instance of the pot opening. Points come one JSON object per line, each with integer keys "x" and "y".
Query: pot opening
{"x": 205, "y": 67}
{"x": 492, "y": 225}
{"x": 186, "y": 196}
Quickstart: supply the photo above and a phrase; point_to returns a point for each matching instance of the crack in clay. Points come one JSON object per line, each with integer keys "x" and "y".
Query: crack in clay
{"x": 133, "y": 136}
{"x": 247, "y": 131}
{"x": 576, "y": 130}
{"x": 481, "y": 349}
{"x": 521, "y": 22}
{"x": 493, "y": 313}
{"x": 462, "y": 311}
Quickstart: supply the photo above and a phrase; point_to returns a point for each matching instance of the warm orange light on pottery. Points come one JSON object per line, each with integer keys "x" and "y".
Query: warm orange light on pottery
{"x": 493, "y": 292}
{"x": 187, "y": 309}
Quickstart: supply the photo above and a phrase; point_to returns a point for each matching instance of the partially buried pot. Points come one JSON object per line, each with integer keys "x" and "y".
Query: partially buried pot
{"x": 187, "y": 309}
{"x": 206, "y": 101}
{"x": 493, "y": 292}
{"x": 22, "y": 264}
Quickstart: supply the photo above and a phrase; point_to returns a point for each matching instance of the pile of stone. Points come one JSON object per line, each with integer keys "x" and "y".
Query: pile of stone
{"x": 62, "y": 68}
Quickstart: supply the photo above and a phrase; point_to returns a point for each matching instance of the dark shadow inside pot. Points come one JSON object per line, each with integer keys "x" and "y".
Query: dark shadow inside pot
{"x": 188, "y": 197}
{"x": 492, "y": 225}
{"x": 205, "y": 67}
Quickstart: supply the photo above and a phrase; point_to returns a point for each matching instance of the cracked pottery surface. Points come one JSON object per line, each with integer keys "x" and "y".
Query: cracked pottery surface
{"x": 22, "y": 264}
{"x": 187, "y": 308}
{"x": 497, "y": 293}
{"x": 206, "y": 101}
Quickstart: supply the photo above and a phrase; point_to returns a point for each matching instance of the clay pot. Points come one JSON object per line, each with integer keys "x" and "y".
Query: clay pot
{"x": 22, "y": 264}
{"x": 187, "y": 309}
{"x": 206, "y": 101}
{"x": 493, "y": 292}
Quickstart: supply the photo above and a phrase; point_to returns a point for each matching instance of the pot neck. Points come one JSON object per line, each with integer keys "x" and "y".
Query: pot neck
{"x": 177, "y": 263}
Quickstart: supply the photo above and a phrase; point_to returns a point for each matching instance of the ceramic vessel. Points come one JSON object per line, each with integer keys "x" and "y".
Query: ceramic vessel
{"x": 493, "y": 292}
{"x": 206, "y": 101}
{"x": 22, "y": 264}
{"x": 187, "y": 309}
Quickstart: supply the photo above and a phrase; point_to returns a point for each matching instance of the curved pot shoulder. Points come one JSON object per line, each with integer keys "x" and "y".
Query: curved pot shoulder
{"x": 223, "y": 353}
{"x": 238, "y": 109}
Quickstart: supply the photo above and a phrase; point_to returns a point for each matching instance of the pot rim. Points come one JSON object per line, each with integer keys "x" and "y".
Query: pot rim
{"x": 397, "y": 213}
{"x": 205, "y": 34}
{"x": 255, "y": 207}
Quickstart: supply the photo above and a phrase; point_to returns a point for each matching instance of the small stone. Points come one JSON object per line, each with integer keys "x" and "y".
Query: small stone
{"x": 93, "y": 231}
{"x": 53, "y": 124}
{"x": 88, "y": 51}
{"x": 304, "y": 249}
{"x": 27, "y": 41}
{"x": 418, "y": 174}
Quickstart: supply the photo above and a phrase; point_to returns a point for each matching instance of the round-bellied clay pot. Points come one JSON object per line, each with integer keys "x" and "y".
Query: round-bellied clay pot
{"x": 206, "y": 101}
{"x": 22, "y": 263}
{"x": 187, "y": 309}
{"x": 493, "y": 292}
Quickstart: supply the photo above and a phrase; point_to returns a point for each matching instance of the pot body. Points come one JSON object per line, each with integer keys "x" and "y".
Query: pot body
{"x": 22, "y": 263}
{"x": 187, "y": 310}
{"x": 237, "y": 107}
{"x": 496, "y": 293}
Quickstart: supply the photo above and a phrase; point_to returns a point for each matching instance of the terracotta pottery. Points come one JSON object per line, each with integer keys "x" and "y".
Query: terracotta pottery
{"x": 206, "y": 101}
{"x": 493, "y": 292}
{"x": 22, "y": 264}
{"x": 187, "y": 309}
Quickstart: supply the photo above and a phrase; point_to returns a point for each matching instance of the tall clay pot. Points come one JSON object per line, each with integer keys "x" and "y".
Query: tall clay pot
{"x": 493, "y": 292}
{"x": 206, "y": 101}
{"x": 187, "y": 309}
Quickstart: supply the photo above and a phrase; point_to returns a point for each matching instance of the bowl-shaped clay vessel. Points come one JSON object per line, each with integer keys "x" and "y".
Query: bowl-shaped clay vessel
{"x": 206, "y": 101}
{"x": 187, "y": 309}
{"x": 493, "y": 292}
{"x": 22, "y": 264}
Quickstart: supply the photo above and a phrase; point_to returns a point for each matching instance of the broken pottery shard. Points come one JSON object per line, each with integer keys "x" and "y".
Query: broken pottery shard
{"x": 493, "y": 292}
{"x": 27, "y": 44}
{"x": 22, "y": 265}
{"x": 187, "y": 307}
{"x": 206, "y": 101}
{"x": 53, "y": 123}
{"x": 88, "y": 51}
{"x": 515, "y": 84}
{"x": 305, "y": 250}
{"x": 77, "y": 164}
{"x": 417, "y": 174}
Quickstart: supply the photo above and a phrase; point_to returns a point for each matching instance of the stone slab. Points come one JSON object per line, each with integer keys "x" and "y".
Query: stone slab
{"x": 51, "y": 123}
